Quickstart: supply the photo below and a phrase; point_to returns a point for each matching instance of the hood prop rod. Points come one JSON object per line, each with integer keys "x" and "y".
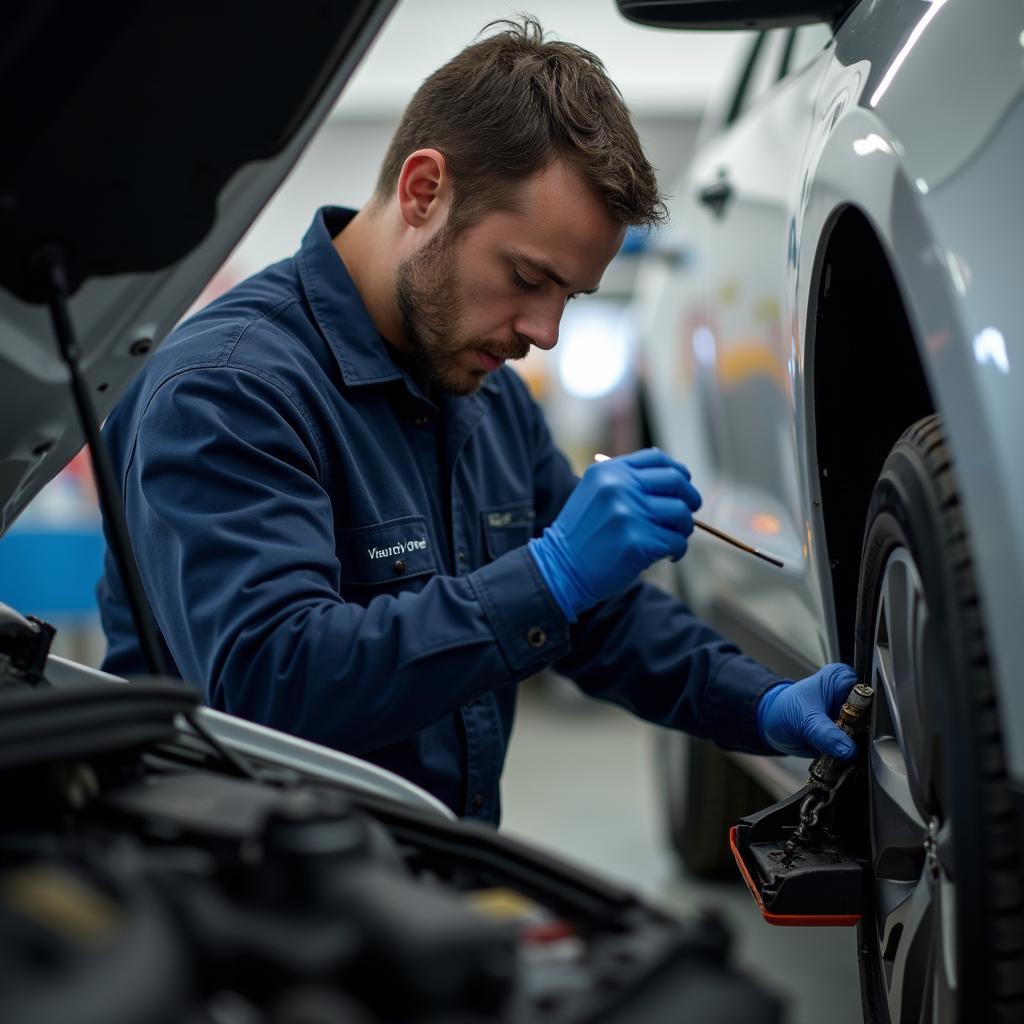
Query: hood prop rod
{"x": 51, "y": 269}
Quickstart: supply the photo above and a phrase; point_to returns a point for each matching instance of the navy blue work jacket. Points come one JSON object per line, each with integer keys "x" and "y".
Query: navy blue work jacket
{"x": 329, "y": 552}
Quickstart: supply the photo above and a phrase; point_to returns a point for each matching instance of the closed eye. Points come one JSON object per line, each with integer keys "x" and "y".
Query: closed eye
{"x": 529, "y": 286}
{"x": 522, "y": 284}
{"x": 525, "y": 284}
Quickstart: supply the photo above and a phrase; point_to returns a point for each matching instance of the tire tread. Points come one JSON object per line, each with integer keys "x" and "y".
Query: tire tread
{"x": 924, "y": 444}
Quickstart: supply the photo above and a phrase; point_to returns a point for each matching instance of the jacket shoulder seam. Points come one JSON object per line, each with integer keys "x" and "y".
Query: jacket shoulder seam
{"x": 219, "y": 365}
{"x": 270, "y": 317}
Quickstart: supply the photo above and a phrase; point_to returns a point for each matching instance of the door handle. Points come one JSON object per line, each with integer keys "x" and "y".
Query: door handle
{"x": 717, "y": 196}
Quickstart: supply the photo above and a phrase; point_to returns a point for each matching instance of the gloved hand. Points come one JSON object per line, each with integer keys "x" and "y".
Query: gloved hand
{"x": 799, "y": 718}
{"x": 624, "y": 514}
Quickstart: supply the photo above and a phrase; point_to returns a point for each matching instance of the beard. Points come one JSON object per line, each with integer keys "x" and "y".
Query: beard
{"x": 426, "y": 292}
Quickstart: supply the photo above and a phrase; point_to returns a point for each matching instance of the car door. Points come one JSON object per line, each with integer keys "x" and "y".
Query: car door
{"x": 744, "y": 198}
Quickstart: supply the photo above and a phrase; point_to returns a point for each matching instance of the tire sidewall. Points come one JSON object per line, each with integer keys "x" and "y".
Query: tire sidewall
{"x": 905, "y": 512}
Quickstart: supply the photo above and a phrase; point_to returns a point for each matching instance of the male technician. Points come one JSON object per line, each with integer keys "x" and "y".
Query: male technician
{"x": 350, "y": 518}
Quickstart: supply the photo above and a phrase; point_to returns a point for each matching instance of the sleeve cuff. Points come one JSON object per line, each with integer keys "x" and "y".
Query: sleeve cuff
{"x": 763, "y": 704}
{"x": 528, "y": 624}
{"x": 732, "y": 702}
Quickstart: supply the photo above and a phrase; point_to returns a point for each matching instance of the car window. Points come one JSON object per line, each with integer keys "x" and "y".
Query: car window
{"x": 804, "y": 45}
{"x": 761, "y": 71}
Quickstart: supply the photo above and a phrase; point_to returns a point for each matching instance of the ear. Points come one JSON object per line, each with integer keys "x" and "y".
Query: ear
{"x": 423, "y": 187}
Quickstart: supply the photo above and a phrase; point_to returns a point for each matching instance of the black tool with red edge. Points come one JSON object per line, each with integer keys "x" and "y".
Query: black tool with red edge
{"x": 821, "y": 884}
{"x": 805, "y": 859}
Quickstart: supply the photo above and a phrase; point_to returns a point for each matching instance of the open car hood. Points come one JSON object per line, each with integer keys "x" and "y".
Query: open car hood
{"x": 142, "y": 140}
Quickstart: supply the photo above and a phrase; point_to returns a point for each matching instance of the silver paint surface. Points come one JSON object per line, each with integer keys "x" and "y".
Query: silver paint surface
{"x": 913, "y": 114}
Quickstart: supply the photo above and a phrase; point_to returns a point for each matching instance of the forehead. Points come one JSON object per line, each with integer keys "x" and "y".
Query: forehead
{"x": 560, "y": 220}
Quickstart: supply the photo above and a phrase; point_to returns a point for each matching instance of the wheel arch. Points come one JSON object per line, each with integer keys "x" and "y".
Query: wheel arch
{"x": 857, "y": 324}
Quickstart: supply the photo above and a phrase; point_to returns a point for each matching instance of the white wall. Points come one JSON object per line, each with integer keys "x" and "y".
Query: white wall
{"x": 658, "y": 71}
{"x": 665, "y": 77}
{"x": 340, "y": 168}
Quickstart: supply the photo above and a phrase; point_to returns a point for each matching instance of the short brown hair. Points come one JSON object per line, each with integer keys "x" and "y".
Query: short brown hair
{"x": 507, "y": 106}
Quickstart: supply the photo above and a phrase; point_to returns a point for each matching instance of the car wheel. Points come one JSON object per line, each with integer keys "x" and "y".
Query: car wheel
{"x": 943, "y": 935}
{"x": 705, "y": 793}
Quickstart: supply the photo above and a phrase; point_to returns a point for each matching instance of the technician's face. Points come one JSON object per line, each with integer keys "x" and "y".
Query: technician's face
{"x": 503, "y": 283}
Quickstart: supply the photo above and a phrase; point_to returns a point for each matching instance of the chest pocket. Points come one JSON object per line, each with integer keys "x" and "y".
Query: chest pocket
{"x": 507, "y": 527}
{"x": 384, "y": 553}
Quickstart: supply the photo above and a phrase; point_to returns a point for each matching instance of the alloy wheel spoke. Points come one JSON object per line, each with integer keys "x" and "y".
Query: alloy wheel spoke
{"x": 925, "y": 1007}
{"x": 884, "y": 682}
{"x": 931, "y": 744}
{"x": 944, "y": 977}
{"x": 917, "y": 711}
{"x": 897, "y": 668}
{"x": 898, "y": 827}
{"x": 906, "y": 943}
{"x": 914, "y": 891}
{"x": 944, "y": 850}
{"x": 945, "y": 920}
{"x": 895, "y": 594}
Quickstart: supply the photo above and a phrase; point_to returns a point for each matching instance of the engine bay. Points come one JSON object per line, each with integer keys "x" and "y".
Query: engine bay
{"x": 150, "y": 874}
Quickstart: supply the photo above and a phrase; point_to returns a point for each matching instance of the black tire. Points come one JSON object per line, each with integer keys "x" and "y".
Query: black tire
{"x": 943, "y": 938}
{"x": 705, "y": 793}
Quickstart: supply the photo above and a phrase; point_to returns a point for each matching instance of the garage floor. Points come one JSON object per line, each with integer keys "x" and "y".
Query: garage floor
{"x": 579, "y": 781}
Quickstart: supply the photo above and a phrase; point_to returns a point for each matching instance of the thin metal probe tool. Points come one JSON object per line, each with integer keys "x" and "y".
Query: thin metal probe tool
{"x": 721, "y": 535}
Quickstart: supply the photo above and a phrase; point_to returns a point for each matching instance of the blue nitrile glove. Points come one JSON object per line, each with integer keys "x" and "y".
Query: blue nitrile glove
{"x": 799, "y": 718}
{"x": 624, "y": 515}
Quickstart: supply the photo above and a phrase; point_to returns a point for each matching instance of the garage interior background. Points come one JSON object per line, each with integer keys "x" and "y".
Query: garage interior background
{"x": 579, "y": 778}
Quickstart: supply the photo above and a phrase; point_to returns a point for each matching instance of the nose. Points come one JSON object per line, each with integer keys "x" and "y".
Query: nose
{"x": 540, "y": 328}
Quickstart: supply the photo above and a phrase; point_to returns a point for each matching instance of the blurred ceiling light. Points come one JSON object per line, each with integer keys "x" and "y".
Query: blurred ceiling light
{"x": 766, "y": 524}
{"x": 594, "y": 349}
{"x": 704, "y": 345}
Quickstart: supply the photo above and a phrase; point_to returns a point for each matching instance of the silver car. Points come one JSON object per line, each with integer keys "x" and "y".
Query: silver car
{"x": 833, "y": 339}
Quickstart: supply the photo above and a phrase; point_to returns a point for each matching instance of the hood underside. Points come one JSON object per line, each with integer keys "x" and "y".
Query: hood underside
{"x": 142, "y": 140}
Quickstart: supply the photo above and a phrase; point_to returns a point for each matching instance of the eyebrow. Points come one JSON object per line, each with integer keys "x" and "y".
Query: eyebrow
{"x": 548, "y": 272}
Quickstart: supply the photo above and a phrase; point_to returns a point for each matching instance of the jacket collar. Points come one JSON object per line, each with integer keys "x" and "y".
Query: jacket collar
{"x": 338, "y": 307}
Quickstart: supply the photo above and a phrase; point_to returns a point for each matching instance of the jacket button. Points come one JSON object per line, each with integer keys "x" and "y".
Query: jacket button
{"x": 399, "y": 567}
{"x": 536, "y": 637}
{"x": 422, "y": 421}
{"x": 478, "y": 800}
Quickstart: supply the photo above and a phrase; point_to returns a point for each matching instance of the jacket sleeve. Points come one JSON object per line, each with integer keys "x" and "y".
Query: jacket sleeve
{"x": 233, "y": 531}
{"x": 646, "y": 651}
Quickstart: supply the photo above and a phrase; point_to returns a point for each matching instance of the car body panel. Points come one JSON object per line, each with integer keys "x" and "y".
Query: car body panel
{"x": 755, "y": 492}
{"x": 914, "y": 117}
{"x": 944, "y": 201}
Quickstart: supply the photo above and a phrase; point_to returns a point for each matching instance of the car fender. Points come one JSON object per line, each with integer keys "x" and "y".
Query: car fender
{"x": 951, "y": 246}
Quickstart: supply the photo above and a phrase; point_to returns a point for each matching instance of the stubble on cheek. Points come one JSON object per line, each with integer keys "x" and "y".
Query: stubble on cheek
{"x": 426, "y": 291}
